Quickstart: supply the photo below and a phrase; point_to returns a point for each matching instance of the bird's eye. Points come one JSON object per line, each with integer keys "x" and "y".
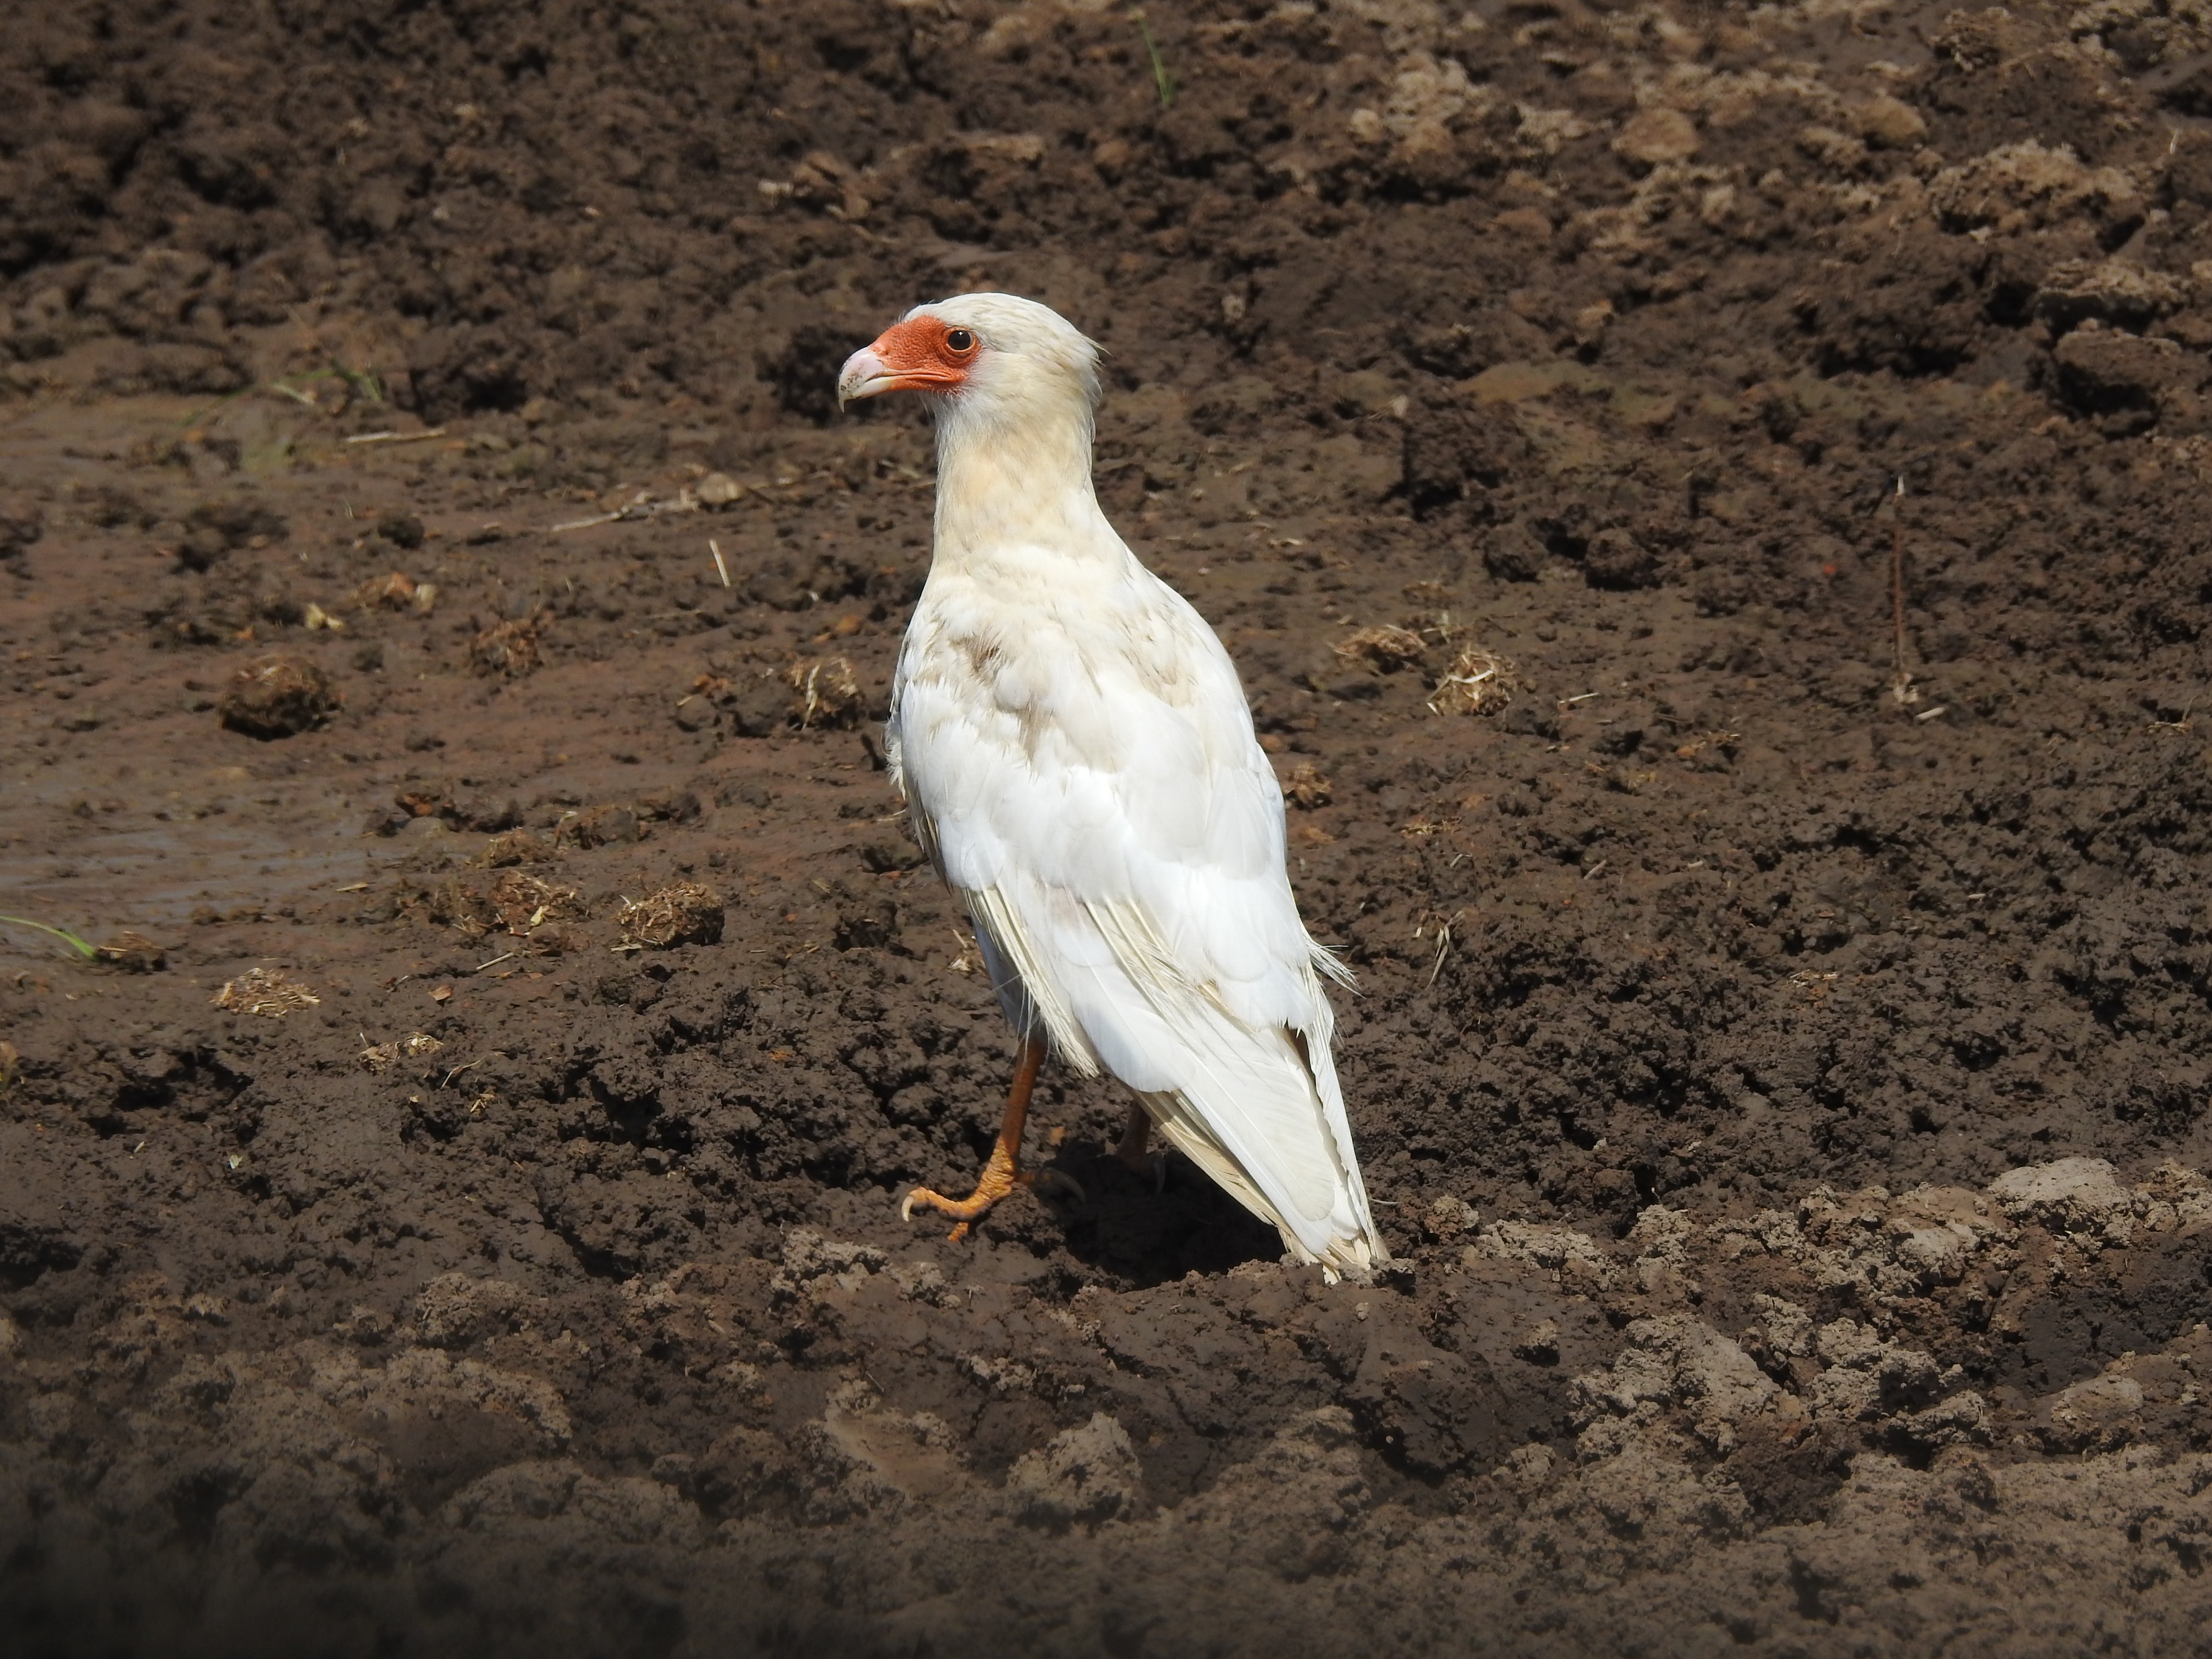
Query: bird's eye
{"x": 959, "y": 340}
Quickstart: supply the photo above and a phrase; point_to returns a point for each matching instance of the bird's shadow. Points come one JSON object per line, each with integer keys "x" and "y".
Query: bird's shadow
{"x": 1125, "y": 1225}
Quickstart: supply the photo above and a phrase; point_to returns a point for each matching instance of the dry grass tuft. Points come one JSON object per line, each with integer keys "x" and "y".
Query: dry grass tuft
{"x": 381, "y": 1057}
{"x": 509, "y": 649}
{"x": 524, "y": 901}
{"x": 824, "y": 692}
{"x": 264, "y": 992}
{"x": 519, "y": 904}
{"x": 1306, "y": 788}
{"x": 1386, "y": 648}
{"x": 1479, "y": 682}
{"x": 684, "y": 913}
{"x": 397, "y": 592}
{"x": 459, "y": 904}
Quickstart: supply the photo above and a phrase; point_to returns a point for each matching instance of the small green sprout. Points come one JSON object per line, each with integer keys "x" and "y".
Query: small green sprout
{"x": 1163, "y": 82}
{"x": 84, "y": 950}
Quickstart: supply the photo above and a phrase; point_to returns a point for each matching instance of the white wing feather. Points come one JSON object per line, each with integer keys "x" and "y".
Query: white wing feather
{"x": 1093, "y": 790}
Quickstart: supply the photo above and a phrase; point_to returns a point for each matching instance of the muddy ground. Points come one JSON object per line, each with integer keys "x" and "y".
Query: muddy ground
{"x": 1709, "y": 505}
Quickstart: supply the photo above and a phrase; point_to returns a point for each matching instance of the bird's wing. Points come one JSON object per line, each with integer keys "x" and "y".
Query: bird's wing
{"x": 1093, "y": 788}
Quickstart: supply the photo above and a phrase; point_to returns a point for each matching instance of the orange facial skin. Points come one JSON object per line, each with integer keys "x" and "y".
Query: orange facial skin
{"x": 925, "y": 354}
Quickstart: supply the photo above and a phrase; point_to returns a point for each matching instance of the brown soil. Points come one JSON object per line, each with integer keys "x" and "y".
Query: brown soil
{"x": 1709, "y": 505}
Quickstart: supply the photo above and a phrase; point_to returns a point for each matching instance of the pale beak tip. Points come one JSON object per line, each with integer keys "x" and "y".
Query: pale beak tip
{"x": 863, "y": 376}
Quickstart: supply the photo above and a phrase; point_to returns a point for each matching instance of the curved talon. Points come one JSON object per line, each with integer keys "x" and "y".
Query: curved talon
{"x": 1149, "y": 1167}
{"x": 1044, "y": 1178}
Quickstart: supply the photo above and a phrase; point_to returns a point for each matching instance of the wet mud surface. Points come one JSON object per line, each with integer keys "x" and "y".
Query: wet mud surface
{"x": 1709, "y": 506}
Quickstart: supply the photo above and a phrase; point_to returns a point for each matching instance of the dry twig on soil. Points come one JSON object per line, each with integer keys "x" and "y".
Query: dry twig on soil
{"x": 396, "y": 437}
{"x": 645, "y": 505}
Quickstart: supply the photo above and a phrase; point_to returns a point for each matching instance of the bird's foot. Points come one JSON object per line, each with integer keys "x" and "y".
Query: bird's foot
{"x": 1151, "y": 1168}
{"x": 999, "y": 1177}
{"x": 1131, "y": 1153}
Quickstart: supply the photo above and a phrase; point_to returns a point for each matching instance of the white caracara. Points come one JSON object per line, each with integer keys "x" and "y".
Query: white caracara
{"x": 1079, "y": 761}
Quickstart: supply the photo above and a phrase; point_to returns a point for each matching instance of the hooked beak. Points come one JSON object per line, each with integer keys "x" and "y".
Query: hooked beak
{"x": 865, "y": 376}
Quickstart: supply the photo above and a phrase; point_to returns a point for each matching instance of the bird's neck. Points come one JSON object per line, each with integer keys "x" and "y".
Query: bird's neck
{"x": 1008, "y": 488}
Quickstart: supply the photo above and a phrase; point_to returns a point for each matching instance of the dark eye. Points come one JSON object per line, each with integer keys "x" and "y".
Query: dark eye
{"x": 959, "y": 339}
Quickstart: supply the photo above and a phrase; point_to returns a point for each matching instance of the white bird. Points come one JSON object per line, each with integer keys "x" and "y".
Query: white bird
{"x": 1078, "y": 758}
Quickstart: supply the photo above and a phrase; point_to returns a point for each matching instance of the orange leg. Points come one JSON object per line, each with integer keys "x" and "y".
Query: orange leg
{"x": 1004, "y": 1171}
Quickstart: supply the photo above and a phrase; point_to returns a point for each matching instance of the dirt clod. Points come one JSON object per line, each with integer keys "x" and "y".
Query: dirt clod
{"x": 512, "y": 847}
{"x": 278, "y": 698}
{"x": 403, "y": 529}
{"x": 21, "y": 524}
{"x": 1654, "y": 137}
{"x": 599, "y": 826}
{"x": 134, "y": 953}
{"x": 1085, "y": 1476}
{"x": 216, "y": 529}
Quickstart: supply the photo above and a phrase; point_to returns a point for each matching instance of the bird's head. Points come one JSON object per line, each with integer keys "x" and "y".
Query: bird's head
{"x": 982, "y": 357}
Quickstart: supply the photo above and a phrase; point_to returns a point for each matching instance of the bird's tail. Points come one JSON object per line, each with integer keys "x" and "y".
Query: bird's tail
{"x": 1283, "y": 1100}
{"x": 1255, "y": 1106}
